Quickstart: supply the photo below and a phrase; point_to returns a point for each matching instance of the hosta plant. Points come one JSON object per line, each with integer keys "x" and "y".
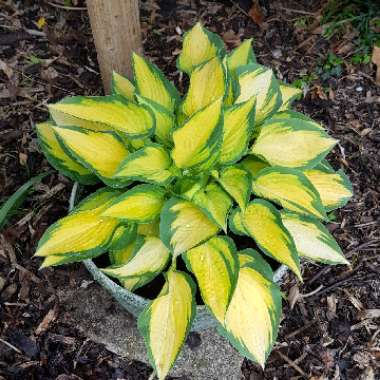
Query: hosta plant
{"x": 185, "y": 177}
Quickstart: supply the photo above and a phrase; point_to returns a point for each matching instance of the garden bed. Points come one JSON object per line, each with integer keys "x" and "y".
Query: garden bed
{"x": 331, "y": 325}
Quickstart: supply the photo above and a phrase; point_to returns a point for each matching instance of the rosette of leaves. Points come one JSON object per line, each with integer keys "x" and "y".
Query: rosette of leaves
{"x": 185, "y": 176}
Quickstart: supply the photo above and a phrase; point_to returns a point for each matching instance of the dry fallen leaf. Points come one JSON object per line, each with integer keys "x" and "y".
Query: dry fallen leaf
{"x": 294, "y": 295}
{"x": 345, "y": 48}
{"x": 319, "y": 92}
{"x": 256, "y": 13}
{"x": 6, "y": 69}
{"x": 49, "y": 74}
{"x": 41, "y": 22}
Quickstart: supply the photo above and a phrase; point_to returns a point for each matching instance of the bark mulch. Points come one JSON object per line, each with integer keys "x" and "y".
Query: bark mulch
{"x": 331, "y": 326}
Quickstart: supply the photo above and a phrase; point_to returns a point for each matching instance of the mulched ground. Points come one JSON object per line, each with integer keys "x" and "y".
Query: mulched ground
{"x": 331, "y": 326}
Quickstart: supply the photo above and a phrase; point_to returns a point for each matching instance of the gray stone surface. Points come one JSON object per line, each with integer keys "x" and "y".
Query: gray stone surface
{"x": 206, "y": 356}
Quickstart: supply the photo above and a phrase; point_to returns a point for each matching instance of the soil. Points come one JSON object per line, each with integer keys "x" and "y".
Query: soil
{"x": 330, "y": 327}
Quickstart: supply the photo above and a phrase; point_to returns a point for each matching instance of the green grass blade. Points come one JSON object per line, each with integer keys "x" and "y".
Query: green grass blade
{"x": 15, "y": 200}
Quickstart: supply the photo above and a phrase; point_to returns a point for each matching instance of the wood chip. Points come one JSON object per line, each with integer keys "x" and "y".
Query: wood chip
{"x": 376, "y": 61}
{"x": 7, "y": 250}
{"x": 32, "y": 276}
{"x": 371, "y": 314}
{"x": 331, "y": 305}
{"x": 355, "y": 302}
{"x": 50, "y": 317}
{"x": 368, "y": 374}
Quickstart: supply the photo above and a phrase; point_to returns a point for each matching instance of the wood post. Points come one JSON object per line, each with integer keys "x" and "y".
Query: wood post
{"x": 116, "y": 28}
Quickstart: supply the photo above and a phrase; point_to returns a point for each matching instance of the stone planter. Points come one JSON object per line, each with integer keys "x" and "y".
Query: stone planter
{"x": 213, "y": 358}
{"x": 134, "y": 303}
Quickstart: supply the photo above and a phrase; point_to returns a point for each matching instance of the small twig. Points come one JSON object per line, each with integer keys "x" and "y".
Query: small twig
{"x": 304, "y": 42}
{"x": 299, "y": 11}
{"x": 319, "y": 274}
{"x": 18, "y": 304}
{"x": 76, "y": 81}
{"x": 91, "y": 70}
{"x": 67, "y": 8}
{"x": 10, "y": 346}
{"x": 292, "y": 364}
{"x": 240, "y": 8}
{"x": 32, "y": 276}
{"x": 362, "y": 246}
{"x": 301, "y": 329}
{"x": 40, "y": 82}
{"x": 366, "y": 224}
{"x": 339, "y": 283}
{"x": 34, "y": 32}
{"x": 312, "y": 292}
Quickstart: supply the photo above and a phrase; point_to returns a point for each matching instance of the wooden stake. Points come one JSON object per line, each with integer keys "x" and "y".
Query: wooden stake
{"x": 116, "y": 28}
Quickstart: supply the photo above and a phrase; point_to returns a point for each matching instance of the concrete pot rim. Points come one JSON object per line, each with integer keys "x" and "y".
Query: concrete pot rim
{"x": 134, "y": 303}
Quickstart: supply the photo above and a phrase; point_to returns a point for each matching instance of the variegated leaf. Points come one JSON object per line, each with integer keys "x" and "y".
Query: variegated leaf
{"x": 197, "y": 142}
{"x": 263, "y": 223}
{"x": 165, "y": 120}
{"x": 100, "y": 152}
{"x": 141, "y": 204}
{"x": 215, "y": 266}
{"x": 312, "y": 239}
{"x": 150, "y": 259}
{"x": 166, "y": 321}
{"x": 291, "y": 189}
{"x": 259, "y": 81}
{"x": 183, "y": 225}
{"x": 292, "y": 143}
{"x": 112, "y": 112}
{"x": 122, "y": 86}
{"x": 149, "y": 164}
{"x": 214, "y": 202}
{"x": 238, "y": 125}
{"x": 288, "y": 94}
{"x": 151, "y": 83}
{"x": 199, "y": 46}
{"x": 237, "y": 182}
{"x": 334, "y": 188}
{"x": 207, "y": 84}
{"x": 59, "y": 159}
{"x": 253, "y": 315}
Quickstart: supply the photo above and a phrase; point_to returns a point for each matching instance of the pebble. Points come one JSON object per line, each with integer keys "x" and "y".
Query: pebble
{"x": 178, "y": 30}
{"x": 277, "y": 53}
